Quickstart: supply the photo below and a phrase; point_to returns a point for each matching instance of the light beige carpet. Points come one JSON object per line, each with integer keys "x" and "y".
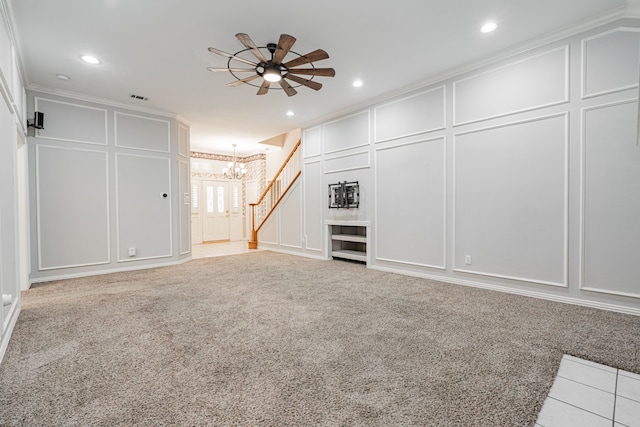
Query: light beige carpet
{"x": 275, "y": 340}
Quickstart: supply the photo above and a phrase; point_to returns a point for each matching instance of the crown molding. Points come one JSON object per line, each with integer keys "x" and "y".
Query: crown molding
{"x": 97, "y": 100}
{"x": 183, "y": 121}
{"x": 560, "y": 34}
{"x": 8, "y": 16}
{"x": 633, "y": 11}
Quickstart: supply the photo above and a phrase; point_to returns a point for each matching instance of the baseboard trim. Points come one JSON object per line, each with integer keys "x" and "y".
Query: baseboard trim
{"x": 267, "y": 247}
{"x": 109, "y": 271}
{"x": 523, "y": 292}
{"x": 13, "y": 318}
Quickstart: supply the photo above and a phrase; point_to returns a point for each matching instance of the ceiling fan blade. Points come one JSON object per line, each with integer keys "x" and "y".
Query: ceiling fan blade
{"x": 246, "y": 40}
{"x": 228, "y": 55}
{"x": 287, "y": 87}
{"x": 314, "y": 56}
{"x": 325, "y": 72}
{"x": 235, "y": 70}
{"x": 241, "y": 81}
{"x": 284, "y": 44}
{"x": 305, "y": 82}
{"x": 264, "y": 88}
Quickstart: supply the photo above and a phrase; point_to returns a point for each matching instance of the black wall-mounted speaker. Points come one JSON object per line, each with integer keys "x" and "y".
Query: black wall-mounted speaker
{"x": 38, "y": 120}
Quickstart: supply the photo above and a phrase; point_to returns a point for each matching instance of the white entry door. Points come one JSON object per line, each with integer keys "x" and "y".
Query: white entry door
{"x": 215, "y": 210}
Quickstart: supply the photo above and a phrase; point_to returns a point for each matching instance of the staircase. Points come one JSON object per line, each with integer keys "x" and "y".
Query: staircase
{"x": 274, "y": 193}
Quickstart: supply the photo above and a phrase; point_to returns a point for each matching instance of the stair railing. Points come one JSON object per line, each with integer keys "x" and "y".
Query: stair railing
{"x": 274, "y": 193}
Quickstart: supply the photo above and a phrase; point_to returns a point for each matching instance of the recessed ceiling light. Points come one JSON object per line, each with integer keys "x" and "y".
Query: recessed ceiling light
{"x": 357, "y": 83}
{"x": 290, "y": 113}
{"x": 488, "y": 27}
{"x": 90, "y": 59}
{"x": 63, "y": 77}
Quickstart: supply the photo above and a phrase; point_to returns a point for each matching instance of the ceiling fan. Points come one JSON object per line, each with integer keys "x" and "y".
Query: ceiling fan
{"x": 271, "y": 68}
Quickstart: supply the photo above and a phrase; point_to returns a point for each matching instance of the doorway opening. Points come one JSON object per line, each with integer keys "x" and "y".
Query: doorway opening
{"x": 216, "y": 211}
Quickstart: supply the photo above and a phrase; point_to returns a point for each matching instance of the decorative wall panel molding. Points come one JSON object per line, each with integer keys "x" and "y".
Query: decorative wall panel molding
{"x": 72, "y": 207}
{"x": 511, "y": 201}
{"x": 348, "y": 132}
{"x": 419, "y": 113}
{"x": 16, "y": 88}
{"x": 184, "y": 182}
{"x": 611, "y": 206}
{"x": 269, "y": 232}
{"x": 312, "y": 142}
{"x": 11, "y": 87}
{"x": 290, "y": 208}
{"x": 361, "y": 160}
{"x": 142, "y": 133}
{"x": 6, "y": 95}
{"x": 313, "y": 205}
{"x": 538, "y": 81}
{"x": 143, "y": 207}
{"x": 541, "y": 176}
{"x": 65, "y": 121}
{"x": 610, "y": 62}
{"x": 6, "y": 47}
{"x": 183, "y": 140}
{"x": 411, "y": 178}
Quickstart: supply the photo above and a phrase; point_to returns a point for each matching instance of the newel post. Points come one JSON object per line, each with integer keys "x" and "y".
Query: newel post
{"x": 253, "y": 243}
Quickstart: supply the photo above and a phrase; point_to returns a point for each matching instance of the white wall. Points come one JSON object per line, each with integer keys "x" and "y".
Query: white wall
{"x": 11, "y": 179}
{"x": 521, "y": 176}
{"x": 106, "y": 180}
{"x": 283, "y": 230}
{"x": 276, "y": 158}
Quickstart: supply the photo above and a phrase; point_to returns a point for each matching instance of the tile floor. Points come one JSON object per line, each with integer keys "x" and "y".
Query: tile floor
{"x": 584, "y": 394}
{"x": 207, "y": 250}
{"x": 587, "y": 394}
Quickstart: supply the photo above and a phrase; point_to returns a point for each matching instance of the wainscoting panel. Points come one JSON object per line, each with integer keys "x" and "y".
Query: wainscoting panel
{"x": 5, "y": 48}
{"x": 72, "y": 122}
{"x": 312, "y": 142}
{"x": 510, "y": 201}
{"x": 183, "y": 140}
{"x": 538, "y": 81}
{"x": 142, "y": 133}
{"x": 411, "y": 201}
{"x": 290, "y": 209}
{"x": 611, "y": 198}
{"x": 610, "y": 61}
{"x": 418, "y": 113}
{"x": 10, "y": 258}
{"x": 269, "y": 231}
{"x": 348, "y": 132}
{"x": 143, "y": 213}
{"x": 72, "y": 206}
{"x": 184, "y": 180}
{"x": 314, "y": 197}
{"x": 361, "y": 160}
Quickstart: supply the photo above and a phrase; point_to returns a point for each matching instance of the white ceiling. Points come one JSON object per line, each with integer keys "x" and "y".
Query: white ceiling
{"x": 158, "y": 49}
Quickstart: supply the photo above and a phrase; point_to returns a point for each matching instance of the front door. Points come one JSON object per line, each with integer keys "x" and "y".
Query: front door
{"x": 215, "y": 210}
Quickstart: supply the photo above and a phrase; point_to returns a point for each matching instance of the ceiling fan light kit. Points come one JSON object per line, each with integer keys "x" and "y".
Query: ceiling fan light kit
{"x": 274, "y": 70}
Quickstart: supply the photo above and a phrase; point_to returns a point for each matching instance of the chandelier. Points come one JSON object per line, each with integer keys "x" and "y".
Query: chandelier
{"x": 234, "y": 170}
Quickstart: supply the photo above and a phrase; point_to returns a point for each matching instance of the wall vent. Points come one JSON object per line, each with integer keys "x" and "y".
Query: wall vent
{"x": 142, "y": 98}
